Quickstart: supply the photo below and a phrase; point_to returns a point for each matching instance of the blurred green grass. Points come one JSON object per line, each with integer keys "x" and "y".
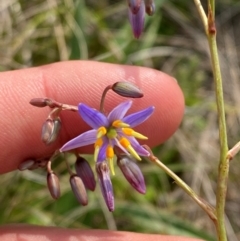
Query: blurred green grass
{"x": 41, "y": 32}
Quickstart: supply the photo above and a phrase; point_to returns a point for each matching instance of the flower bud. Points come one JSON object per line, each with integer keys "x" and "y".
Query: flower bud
{"x": 137, "y": 20}
{"x": 134, "y": 5}
{"x": 84, "y": 171}
{"x": 26, "y": 165}
{"x": 50, "y": 130}
{"x": 38, "y": 102}
{"x": 78, "y": 189}
{"x": 150, "y": 7}
{"x": 132, "y": 173}
{"x": 127, "y": 89}
{"x": 105, "y": 184}
{"x": 53, "y": 185}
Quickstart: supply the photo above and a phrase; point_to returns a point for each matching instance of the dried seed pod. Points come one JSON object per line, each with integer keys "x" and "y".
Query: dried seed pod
{"x": 105, "y": 184}
{"x": 27, "y": 164}
{"x": 84, "y": 171}
{"x": 150, "y": 7}
{"x": 50, "y": 130}
{"x": 132, "y": 173}
{"x": 78, "y": 189}
{"x": 39, "y": 102}
{"x": 127, "y": 89}
{"x": 53, "y": 185}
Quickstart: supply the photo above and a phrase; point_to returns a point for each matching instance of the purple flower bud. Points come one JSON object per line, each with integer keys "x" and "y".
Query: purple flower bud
{"x": 132, "y": 173}
{"x": 78, "y": 189}
{"x": 150, "y": 7}
{"x": 127, "y": 89}
{"x": 134, "y": 5}
{"x": 84, "y": 171}
{"x": 53, "y": 185}
{"x": 50, "y": 130}
{"x": 137, "y": 20}
{"x": 105, "y": 184}
{"x": 39, "y": 102}
{"x": 26, "y": 165}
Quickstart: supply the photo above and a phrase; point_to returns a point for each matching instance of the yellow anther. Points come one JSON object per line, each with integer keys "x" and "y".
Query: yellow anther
{"x": 98, "y": 142}
{"x": 119, "y": 124}
{"x": 126, "y": 144}
{"x": 110, "y": 155}
{"x": 109, "y": 152}
{"x": 101, "y": 131}
{"x": 131, "y": 132}
{"x": 97, "y": 146}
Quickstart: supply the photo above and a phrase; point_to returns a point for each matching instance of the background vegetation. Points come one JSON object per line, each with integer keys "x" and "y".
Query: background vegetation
{"x": 44, "y": 31}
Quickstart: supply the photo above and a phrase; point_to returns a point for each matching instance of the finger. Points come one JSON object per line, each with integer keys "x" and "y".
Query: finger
{"x": 34, "y": 233}
{"x": 71, "y": 83}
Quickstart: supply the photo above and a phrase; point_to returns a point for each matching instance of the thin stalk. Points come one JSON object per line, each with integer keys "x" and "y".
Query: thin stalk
{"x": 202, "y": 203}
{"x": 103, "y": 97}
{"x": 202, "y": 14}
{"x": 224, "y": 155}
{"x": 223, "y": 169}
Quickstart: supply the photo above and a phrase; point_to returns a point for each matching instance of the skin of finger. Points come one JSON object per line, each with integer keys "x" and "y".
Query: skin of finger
{"x": 30, "y": 233}
{"x": 73, "y": 82}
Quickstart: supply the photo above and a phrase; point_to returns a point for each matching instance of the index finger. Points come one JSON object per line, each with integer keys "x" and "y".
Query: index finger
{"x": 73, "y": 82}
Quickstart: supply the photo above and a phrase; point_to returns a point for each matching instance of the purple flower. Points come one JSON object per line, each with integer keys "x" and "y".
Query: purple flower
{"x": 110, "y": 131}
{"x": 137, "y": 18}
{"x": 136, "y": 12}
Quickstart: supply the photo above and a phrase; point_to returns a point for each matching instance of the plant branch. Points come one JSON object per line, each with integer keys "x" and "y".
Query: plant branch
{"x": 224, "y": 161}
{"x": 202, "y": 203}
{"x": 202, "y": 14}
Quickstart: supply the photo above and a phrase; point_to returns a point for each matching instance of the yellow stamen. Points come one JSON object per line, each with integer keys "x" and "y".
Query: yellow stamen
{"x": 110, "y": 155}
{"x": 101, "y": 131}
{"x": 131, "y": 132}
{"x": 134, "y": 153}
{"x": 126, "y": 144}
{"x": 97, "y": 146}
{"x": 119, "y": 124}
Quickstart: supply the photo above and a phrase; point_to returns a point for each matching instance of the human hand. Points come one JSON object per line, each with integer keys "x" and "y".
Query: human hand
{"x": 74, "y": 82}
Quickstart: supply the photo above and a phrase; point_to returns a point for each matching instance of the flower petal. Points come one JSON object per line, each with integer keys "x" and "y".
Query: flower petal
{"x": 102, "y": 152}
{"x": 105, "y": 184}
{"x": 137, "y": 147}
{"x": 92, "y": 117}
{"x": 86, "y": 138}
{"x": 119, "y": 111}
{"x": 138, "y": 117}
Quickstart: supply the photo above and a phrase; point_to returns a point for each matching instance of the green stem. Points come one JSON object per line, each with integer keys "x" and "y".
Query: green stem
{"x": 224, "y": 161}
{"x": 202, "y": 14}
{"x": 202, "y": 203}
{"x": 103, "y": 97}
{"x": 224, "y": 157}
